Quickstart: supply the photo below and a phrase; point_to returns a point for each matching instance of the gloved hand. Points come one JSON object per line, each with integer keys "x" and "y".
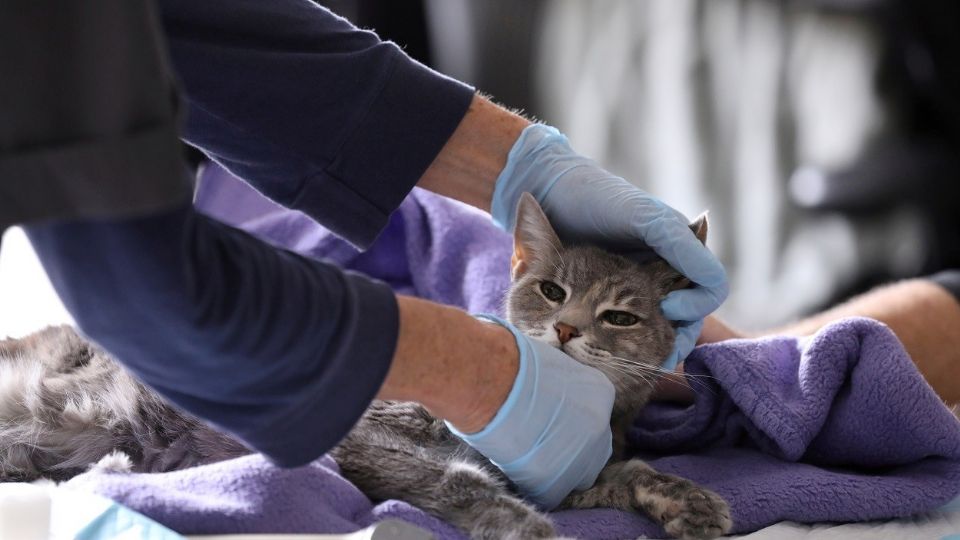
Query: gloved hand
{"x": 552, "y": 434}
{"x": 587, "y": 204}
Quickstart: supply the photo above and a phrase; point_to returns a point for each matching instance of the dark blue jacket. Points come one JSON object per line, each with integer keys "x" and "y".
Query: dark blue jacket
{"x": 321, "y": 117}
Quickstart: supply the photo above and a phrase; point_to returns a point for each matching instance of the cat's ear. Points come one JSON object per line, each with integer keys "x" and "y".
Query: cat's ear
{"x": 668, "y": 278}
{"x": 699, "y": 227}
{"x": 533, "y": 237}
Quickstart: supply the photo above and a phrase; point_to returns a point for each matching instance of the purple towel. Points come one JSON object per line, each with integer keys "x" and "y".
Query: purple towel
{"x": 840, "y": 427}
{"x": 432, "y": 247}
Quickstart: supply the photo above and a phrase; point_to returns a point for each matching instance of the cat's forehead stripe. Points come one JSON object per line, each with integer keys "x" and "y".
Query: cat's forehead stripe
{"x": 629, "y": 295}
{"x": 598, "y": 290}
{"x": 609, "y": 283}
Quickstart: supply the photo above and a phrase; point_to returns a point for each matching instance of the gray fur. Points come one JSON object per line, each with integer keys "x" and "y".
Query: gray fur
{"x": 65, "y": 405}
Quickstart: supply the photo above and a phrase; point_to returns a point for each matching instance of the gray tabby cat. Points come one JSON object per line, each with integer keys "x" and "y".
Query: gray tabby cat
{"x": 65, "y": 404}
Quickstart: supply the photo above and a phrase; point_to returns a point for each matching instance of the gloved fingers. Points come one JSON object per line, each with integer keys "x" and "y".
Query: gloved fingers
{"x": 686, "y": 340}
{"x": 670, "y": 236}
{"x": 693, "y": 304}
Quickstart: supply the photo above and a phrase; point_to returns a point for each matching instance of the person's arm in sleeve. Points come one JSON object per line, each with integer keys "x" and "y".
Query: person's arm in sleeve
{"x": 284, "y": 351}
{"x": 267, "y": 130}
{"x": 316, "y": 114}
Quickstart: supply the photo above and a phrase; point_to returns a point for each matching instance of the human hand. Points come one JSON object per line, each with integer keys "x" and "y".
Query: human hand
{"x": 587, "y": 204}
{"x": 674, "y": 386}
{"x": 715, "y": 330}
{"x": 552, "y": 434}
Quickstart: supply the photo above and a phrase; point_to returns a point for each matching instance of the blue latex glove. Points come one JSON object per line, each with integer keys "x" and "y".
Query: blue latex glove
{"x": 552, "y": 434}
{"x": 587, "y": 204}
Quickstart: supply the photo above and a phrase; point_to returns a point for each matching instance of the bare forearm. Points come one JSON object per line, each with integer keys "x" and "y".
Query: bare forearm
{"x": 923, "y": 315}
{"x": 913, "y": 309}
{"x": 459, "y": 368}
{"x": 469, "y": 164}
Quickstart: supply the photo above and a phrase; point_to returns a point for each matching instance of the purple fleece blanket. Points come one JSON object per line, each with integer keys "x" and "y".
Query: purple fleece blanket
{"x": 432, "y": 247}
{"x": 840, "y": 427}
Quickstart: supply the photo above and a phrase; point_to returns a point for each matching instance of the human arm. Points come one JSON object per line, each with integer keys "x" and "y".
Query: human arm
{"x": 468, "y": 167}
{"x": 280, "y": 350}
{"x": 495, "y": 155}
{"x": 923, "y": 314}
{"x": 358, "y": 95}
{"x": 260, "y": 341}
{"x": 283, "y": 351}
{"x": 296, "y": 101}
{"x": 459, "y": 368}
{"x": 470, "y": 162}
{"x": 534, "y": 412}
{"x": 314, "y": 157}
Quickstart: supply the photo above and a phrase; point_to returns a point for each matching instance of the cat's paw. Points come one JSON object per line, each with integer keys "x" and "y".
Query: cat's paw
{"x": 698, "y": 514}
{"x": 114, "y": 462}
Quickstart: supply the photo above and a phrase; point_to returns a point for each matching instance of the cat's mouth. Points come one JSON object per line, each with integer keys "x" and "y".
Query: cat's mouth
{"x": 570, "y": 348}
{"x": 575, "y": 352}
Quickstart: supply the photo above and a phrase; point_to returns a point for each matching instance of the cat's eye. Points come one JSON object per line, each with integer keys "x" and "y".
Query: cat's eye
{"x": 552, "y": 291}
{"x": 619, "y": 318}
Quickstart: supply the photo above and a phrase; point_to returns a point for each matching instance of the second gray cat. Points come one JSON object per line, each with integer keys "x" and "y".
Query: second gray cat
{"x": 65, "y": 404}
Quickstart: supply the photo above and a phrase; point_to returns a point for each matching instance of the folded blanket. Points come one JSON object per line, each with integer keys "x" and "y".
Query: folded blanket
{"x": 839, "y": 427}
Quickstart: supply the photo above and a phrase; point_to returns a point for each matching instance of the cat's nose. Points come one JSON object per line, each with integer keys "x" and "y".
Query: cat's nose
{"x": 565, "y": 332}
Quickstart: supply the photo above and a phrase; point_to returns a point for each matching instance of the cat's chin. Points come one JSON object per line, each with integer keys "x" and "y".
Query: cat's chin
{"x": 579, "y": 354}
{"x": 572, "y": 350}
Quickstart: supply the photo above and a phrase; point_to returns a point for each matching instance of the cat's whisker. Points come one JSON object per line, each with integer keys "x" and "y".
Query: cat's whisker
{"x": 667, "y": 371}
{"x": 624, "y": 369}
{"x": 615, "y": 368}
{"x": 631, "y": 370}
{"x": 696, "y": 383}
{"x": 698, "y": 386}
{"x": 620, "y": 366}
{"x": 646, "y": 380}
{"x": 639, "y": 369}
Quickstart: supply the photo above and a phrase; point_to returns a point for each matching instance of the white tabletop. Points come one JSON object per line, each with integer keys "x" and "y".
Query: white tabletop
{"x": 27, "y": 299}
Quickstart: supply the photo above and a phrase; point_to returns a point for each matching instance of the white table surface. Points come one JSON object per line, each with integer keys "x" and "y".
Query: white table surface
{"x": 27, "y": 299}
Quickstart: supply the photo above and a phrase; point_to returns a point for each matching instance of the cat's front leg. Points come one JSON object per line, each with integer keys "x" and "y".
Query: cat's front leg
{"x": 684, "y": 509}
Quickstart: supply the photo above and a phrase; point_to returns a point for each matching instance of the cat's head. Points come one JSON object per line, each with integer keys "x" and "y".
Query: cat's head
{"x": 600, "y": 308}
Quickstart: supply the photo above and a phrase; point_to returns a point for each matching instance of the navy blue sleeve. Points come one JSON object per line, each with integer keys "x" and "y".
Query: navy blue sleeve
{"x": 316, "y": 114}
{"x": 283, "y": 351}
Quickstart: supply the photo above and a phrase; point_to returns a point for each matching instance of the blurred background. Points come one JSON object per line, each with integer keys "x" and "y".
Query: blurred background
{"x": 822, "y": 135}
